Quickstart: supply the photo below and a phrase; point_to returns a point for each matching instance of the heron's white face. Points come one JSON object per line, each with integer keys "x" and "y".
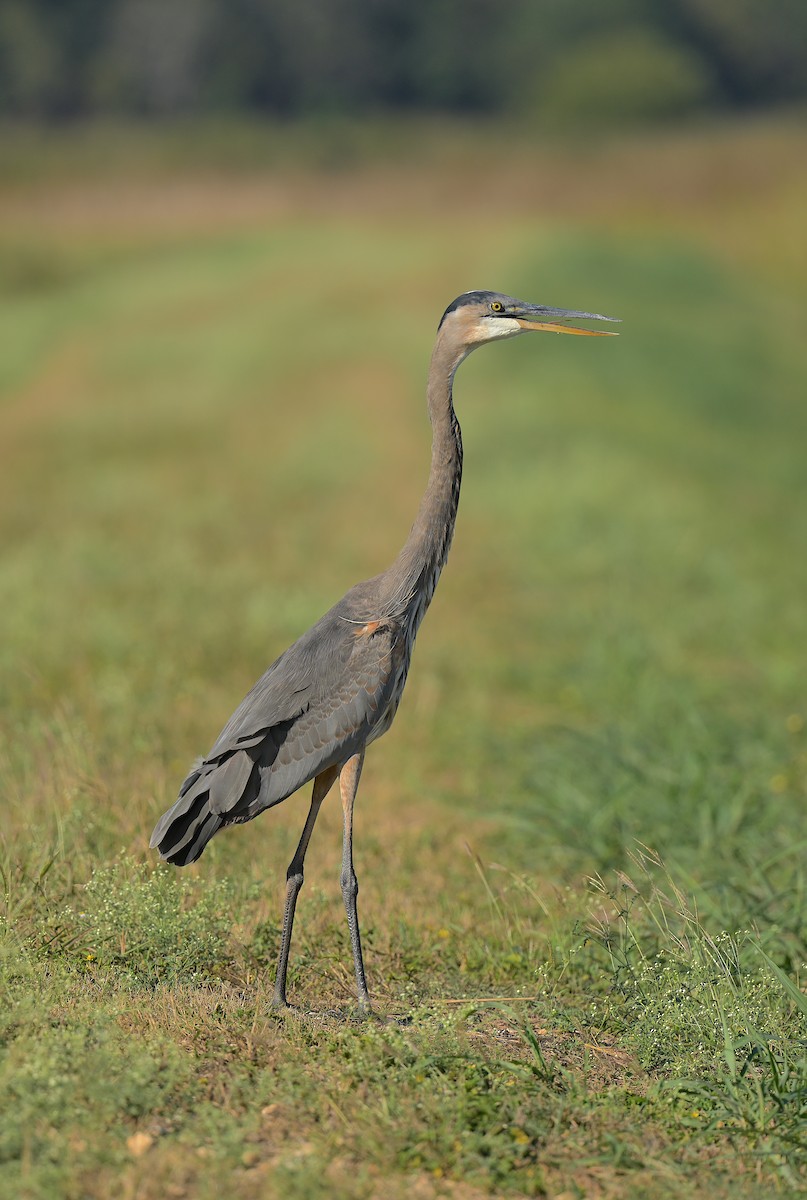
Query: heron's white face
{"x": 487, "y": 329}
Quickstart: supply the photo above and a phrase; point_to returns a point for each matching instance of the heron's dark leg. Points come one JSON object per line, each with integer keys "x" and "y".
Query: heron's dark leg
{"x": 294, "y": 881}
{"x": 348, "y": 786}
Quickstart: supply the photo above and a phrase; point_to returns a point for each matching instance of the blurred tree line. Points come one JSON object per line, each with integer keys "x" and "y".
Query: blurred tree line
{"x": 561, "y": 61}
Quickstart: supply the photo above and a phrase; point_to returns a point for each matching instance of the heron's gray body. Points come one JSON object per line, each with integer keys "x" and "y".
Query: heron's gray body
{"x": 337, "y": 688}
{"x": 308, "y": 712}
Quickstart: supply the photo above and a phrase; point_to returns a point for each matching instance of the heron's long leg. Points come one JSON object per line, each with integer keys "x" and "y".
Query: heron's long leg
{"x": 294, "y": 881}
{"x": 348, "y": 786}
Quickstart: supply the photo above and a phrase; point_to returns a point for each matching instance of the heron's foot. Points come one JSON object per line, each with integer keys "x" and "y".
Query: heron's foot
{"x": 391, "y": 1022}
{"x": 355, "y": 1014}
{"x": 366, "y": 1012}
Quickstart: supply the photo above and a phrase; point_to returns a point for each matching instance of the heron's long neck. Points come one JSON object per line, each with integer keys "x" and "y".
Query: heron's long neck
{"x": 413, "y": 577}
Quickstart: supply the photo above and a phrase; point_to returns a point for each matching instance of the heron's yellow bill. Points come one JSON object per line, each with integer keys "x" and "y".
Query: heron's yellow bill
{"x": 550, "y": 328}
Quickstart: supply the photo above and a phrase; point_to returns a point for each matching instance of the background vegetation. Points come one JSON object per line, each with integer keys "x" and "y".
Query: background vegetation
{"x": 551, "y": 63}
{"x": 581, "y": 849}
{"x": 227, "y": 232}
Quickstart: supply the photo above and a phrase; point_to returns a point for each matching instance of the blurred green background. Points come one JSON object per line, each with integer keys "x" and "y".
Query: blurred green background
{"x": 227, "y": 233}
{"x": 630, "y": 60}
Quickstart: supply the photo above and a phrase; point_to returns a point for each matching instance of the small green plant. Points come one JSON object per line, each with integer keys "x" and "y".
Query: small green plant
{"x": 759, "y": 1096}
{"x": 690, "y": 999}
{"x": 62, "y": 1081}
{"x": 150, "y": 925}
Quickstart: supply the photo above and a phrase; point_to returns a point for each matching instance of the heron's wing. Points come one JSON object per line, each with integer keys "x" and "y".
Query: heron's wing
{"x": 344, "y": 704}
{"x": 348, "y": 699}
{"x": 317, "y": 705}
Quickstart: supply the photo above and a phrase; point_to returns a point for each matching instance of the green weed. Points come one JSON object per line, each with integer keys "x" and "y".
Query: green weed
{"x": 710, "y": 1005}
{"x": 149, "y": 925}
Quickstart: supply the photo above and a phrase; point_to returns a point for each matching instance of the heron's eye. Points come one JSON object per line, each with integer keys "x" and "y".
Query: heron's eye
{"x": 496, "y": 306}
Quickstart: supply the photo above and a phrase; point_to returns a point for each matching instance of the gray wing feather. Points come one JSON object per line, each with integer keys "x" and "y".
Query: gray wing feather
{"x": 315, "y": 707}
{"x": 230, "y": 780}
{"x": 336, "y": 722}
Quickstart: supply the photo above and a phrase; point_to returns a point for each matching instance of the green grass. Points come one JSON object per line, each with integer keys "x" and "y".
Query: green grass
{"x": 581, "y": 848}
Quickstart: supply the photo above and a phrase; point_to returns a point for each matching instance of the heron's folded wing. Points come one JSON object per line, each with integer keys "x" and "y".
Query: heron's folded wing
{"x": 314, "y": 707}
{"x": 280, "y": 695}
{"x": 337, "y": 721}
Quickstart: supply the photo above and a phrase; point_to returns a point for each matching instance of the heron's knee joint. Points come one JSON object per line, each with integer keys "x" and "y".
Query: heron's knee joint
{"x": 350, "y": 886}
{"x": 294, "y": 879}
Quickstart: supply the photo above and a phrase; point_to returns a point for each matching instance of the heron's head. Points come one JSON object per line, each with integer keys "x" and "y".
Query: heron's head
{"x": 478, "y": 317}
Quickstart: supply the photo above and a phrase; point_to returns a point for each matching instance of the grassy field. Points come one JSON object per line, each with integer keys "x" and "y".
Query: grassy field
{"x": 581, "y": 849}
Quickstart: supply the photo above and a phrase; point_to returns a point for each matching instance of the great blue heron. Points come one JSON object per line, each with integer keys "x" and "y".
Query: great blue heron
{"x": 319, "y": 706}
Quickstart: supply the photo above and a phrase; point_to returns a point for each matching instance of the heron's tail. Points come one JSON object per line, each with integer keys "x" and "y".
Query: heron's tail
{"x": 182, "y": 833}
{"x": 218, "y": 791}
